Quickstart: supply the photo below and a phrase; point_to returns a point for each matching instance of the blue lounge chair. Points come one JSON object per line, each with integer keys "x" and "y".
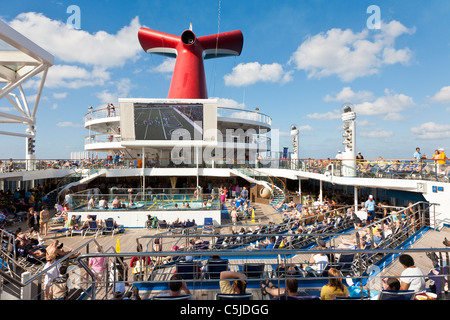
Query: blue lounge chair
{"x": 224, "y": 296}
{"x": 397, "y": 295}
{"x": 109, "y": 227}
{"x": 92, "y": 229}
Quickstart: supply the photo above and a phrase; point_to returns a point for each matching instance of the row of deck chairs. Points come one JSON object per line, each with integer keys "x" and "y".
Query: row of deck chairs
{"x": 175, "y": 227}
{"x": 108, "y": 227}
{"x": 306, "y": 237}
{"x": 408, "y": 169}
{"x": 12, "y": 218}
{"x": 229, "y": 242}
{"x": 213, "y": 267}
{"x": 345, "y": 263}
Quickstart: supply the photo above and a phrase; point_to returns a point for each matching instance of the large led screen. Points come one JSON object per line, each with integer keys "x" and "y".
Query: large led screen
{"x": 168, "y": 121}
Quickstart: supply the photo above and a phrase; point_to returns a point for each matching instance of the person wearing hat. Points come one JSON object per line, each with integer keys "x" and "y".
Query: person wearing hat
{"x": 370, "y": 207}
{"x": 339, "y": 155}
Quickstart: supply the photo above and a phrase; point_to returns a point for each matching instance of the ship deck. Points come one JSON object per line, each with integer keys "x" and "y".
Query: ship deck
{"x": 207, "y": 291}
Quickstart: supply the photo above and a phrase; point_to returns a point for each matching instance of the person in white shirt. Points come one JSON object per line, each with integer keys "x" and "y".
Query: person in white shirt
{"x": 319, "y": 261}
{"x": 412, "y": 278}
{"x": 338, "y": 156}
{"x": 102, "y": 204}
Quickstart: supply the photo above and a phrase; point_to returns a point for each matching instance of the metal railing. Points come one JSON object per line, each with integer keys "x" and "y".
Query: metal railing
{"x": 365, "y": 272}
{"x": 148, "y": 199}
{"x": 386, "y": 169}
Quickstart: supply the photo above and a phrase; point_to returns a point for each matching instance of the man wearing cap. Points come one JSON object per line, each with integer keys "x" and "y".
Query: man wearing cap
{"x": 370, "y": 207}
{"x": 339, "y": 156}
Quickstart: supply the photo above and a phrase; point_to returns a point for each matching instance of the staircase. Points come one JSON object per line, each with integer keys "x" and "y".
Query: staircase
{"x": 275, "y": 185}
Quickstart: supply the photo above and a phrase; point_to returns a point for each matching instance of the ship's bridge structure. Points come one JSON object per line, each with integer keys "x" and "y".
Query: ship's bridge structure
{"x": 151, "y": 128}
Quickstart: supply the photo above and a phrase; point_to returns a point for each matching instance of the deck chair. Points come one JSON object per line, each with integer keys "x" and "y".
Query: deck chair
{"x": 162, "y": 224}
{"x": 300, "y": 297}
{"x": 397, "y": 295}
{"x": 344, "y": 263}
{"x": 92, "y": 229}
{"x": 188, "y": 270}
{"x": 75, "y": 231}
{"x": 224, "y": 296}
{"x": 208, "y": 225}
{"x": 109, "y": 227}
{"x": 219, "y": 243}
{"x": 172, "y": 298}
{"x": 215, "y": 267}
{"x": 253, "y": 270}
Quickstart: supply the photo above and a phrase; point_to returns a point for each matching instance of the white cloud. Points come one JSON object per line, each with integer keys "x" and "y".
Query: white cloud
{"x": 61, "y": 95}
{"x": 330, "y": 115}
{"x": 166, "y": 66}
{"x": 391, "y": 103}
{"x": 377, "y": 134}
{"x": 229, "y": 103}
{"x": 431, "y": 130}
{"x": 245, "y": 74}
{"x": 72, "y": 77}
{"x": 68, "y": 124}
{"x": 350, "y": 55}
{"x": 78, "y": 46}
{"x": 305, "y": 128}
{"x": 443, "y": 96}
{"x": 348, "y": 95}
{"x": 122, "y": 90}
{"x": 394, "y": 116}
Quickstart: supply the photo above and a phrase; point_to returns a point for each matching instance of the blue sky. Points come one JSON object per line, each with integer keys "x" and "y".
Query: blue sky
{"x": 300, "y": 62}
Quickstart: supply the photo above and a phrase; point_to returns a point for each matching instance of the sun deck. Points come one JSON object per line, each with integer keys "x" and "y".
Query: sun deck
{"x": 124, "y": 245}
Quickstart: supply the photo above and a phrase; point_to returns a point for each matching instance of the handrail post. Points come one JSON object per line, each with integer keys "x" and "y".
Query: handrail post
{"x": 25, "y": 292}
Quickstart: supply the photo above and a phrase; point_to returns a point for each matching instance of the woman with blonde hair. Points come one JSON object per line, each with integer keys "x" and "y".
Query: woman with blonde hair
{"x": 335, "y": 287}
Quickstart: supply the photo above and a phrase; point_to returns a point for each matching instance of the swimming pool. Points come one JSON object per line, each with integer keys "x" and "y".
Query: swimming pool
{"x": 151, "y": 205}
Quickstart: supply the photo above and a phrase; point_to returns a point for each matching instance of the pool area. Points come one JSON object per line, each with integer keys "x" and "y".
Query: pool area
{"x": 149, "y": 205}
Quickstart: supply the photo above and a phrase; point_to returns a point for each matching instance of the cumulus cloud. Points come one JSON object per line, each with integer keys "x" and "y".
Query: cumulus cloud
{"x": 442, "y": 96}
{"x": 330, "y": 115}
{"x": 121, "y": 90}
{"x": 245, "y": 74}
{"x": 348, "y": 95}
{"x": 431, "y": 130}
{"x": 166, "y": 66}
{"x": 229, "y": 103}
{"x": 78, "y": 46}
{"x": 72, "y": 77}
{"x": 389, "y": 106}
{"x": 350, "y": 55}
{"x": 391, "y": 103}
